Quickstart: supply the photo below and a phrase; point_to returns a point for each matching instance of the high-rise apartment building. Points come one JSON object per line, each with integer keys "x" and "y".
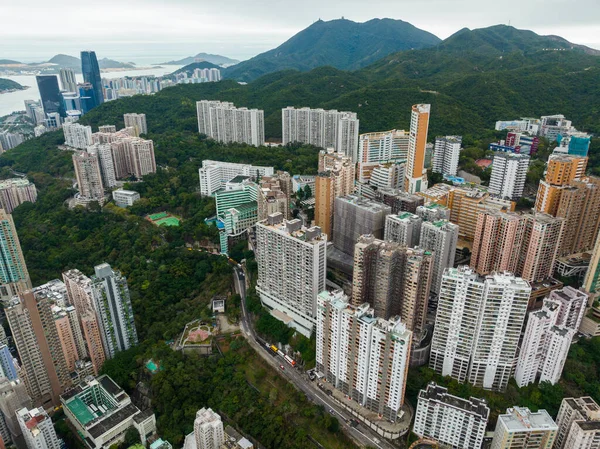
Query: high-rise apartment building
{"x": 381, "y": 147}
{"x": 399, "y": 201}
{"x": 498, "y": 241}
{"x": 50, "y": 94}
{"x": 7, "y": 363}
{"x": 478, "y": 325}
{"x": 208, "y": 431}
{"x": 38, "y": 430}
{"x": 572, "y": 304}
{"x": 356, "y": 216}
{"x": 93, "y": 340}
{"x": 393, "y": 279}
{"x": 325, "y": 129}
{"x": 335, "y": 179}
{"x": 404, "y": 228}
{"x": 77, "y": 136}
{"x": 416, "y": 175}
{"x": 363, "y": 356}
{"x": 439, "y": 237}
{"x": 91, "y": 74}
{"x": 105, "y": 158}
{"x": 591, "y": 282}
{"x": 224, "y": 122}
{"x": 215, "y": 174}
{"x": 520, "y": 428}
{"x": 14, "y": 276}
{"x": 141, "y": 157}
{"x": 136, "y": 121}
{"x": 291, "y": 269}
{"x": 561, "y": 171}
{"x": 509, "y": 172}
{"x": 89, "y": 176}
{"x": 274, "y": 195}
{"x": 433, "y": 212}
{"x": 445, "y": 155}
{"x": 68, "y": 80}
{"x": 66, "y": 339}
{"x": 16, "y": 191}
{"x": 73, "y": 317}
{"x": 13, "y": 397}
{"x": 449, "y": 419}
{"x": 578, "y": 422}
{"x": 540, "y": 246}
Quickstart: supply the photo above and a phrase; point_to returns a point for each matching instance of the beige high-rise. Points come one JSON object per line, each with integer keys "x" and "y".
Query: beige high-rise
{"x": 540, "y": 246}
{"x": 67, "y": 342}
{"x": 91, "y": 331}
{"x": 274, "y": 195}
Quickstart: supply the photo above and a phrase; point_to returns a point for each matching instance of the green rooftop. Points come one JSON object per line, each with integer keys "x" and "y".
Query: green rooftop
{"x": 80, "y": 410}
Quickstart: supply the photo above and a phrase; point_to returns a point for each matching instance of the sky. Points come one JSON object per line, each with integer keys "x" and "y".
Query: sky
{"x": 151, "y": 31}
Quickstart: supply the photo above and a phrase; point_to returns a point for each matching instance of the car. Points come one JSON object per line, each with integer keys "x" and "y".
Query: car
{"x": 282, "y": 367}
{"x": 331, "y": 411}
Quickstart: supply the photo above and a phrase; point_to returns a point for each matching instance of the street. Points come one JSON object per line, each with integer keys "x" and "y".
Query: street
{"x": 363, "y": 436}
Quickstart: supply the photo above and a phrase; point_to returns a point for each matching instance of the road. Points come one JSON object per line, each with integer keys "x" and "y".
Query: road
{"x": 361, "y": 434}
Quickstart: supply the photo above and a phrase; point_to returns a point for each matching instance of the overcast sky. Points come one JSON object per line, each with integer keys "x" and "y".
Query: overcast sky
{"x": 154, "y": 29}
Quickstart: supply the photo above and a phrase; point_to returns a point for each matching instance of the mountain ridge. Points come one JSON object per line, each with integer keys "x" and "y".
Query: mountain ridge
{"x": 208, "y": 57}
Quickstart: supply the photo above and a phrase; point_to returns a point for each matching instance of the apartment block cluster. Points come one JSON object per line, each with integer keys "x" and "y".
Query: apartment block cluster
{"x": 102, "y": 158}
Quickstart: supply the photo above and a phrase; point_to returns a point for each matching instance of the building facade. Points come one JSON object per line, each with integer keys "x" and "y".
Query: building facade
{"x": 578, "y": 422}
{"x": 91, "y": 74}
{"x": 509, "y": 172}
{"x": 439, "y": 237}
{"x": 224, "y": 122}
{"x": 404, "y": 228}
{"x": 14, "y": 277}
{"x": 416, "y": 176}
{"x": 16, "y": 191}
{"x": 89, "y": 177}
{"x": 445, "y": 155}
{"x": 522, "y": 428}
{"x": 215, "y": 174}
{"x": 541, "y": 241}
{"x": 77, "y": 136}
{"x": 136, "y": 121}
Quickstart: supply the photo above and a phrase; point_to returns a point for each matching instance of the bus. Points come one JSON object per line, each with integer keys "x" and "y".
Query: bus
{"x": 274, "y": 349}
{"x": 289, "y": 360}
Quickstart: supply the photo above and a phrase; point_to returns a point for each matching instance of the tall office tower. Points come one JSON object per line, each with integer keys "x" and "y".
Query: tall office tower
{"x": 140, "y": 157}
{"x": 356, "y": 216}
{"x": 325, "y": 129}
{"x": 399, "y": 201}
{"x": 67, "y": 80}
{"x": 89, "y": 176}
{"x": 433, "y": 212}
{"x": 472, "y": 339}
{"x": 449, "y": 419}
{"x": 13, "y": 397}
{"x": 572, "y": 304}
{"x": 445, "y": 155}
{"x": 73, "y": 317}
{"x": 363, "y": 356}
{"x": 378, "y": 147}
{"x": 224, "y": 122}
{"x": 591, "y": 282}
{"x": 16, "y": 191}
{"x": 66, "y": 339}
{"x": 561, "y": 171}
{"x": 393, "y": 279}
{"x": 14, "y": 277}
{"x": 50, "y": 94}
{"x": 113, "y": 309}
{"x": 335, "y": 179}
{"x": 93, "y": 340}
{"x": 579, "y": 205}
{"x": 497, "y": 242}
{"x": 288, "y": 287}
{"x": 87, "y": 97}
{"x": 137, "y": 121}
{"x": 544, "y": 347}
{"x": 37, "y": 429}
{"x": 208, "y": 431}
{"x": 272, "y": 196}
{"x": 440, "y": 237}
{"x": 509, "y": 171}
{"x": 105, "y": 158}
{"x": 416, "y": 176}
{"x": 77, "y": 136}
{"x": 91, "y": 74}
{"x": 215, "y": 174}
{"x": 520, "y": 428}
{"x": 540, "y": 246}
{"x": 404, "y": 228}
{"x": 578, "y": 422}
{"x": 36, "y": 338}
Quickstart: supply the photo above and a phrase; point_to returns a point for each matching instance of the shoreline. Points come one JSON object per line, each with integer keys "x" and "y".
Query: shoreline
{"x": 8, "y": 91}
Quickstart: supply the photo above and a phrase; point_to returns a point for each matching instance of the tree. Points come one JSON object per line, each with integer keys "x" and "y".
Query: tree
{"x": 132, "y": 437}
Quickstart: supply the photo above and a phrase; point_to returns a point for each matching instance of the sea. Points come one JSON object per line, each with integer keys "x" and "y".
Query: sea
{"x": 14, "y": 101}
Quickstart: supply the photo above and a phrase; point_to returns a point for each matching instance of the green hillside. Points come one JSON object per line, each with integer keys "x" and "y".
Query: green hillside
{"x": 9, "y": 85}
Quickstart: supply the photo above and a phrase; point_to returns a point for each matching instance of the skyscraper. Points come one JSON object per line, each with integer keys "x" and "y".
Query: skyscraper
{"x": 509, "y": 172}
{"x": 363, "y": 356}
{"x": 89, "y": 177}
{"x": 14, "y": 276}
{"x": 137, "y": 121}
{"x": 561, "y": 171}
{"x": 113, "y": 309}
{"x": 91, "y": 74}
{"x": 445, "y": 155}
{"x": 439, "y": 237}
{"x": 67, "y": 80}
{"x": 285, "y": 285}
{"x": 450, "y": 419}
{"x": 416, "y": 176}
{"x": 16, "y": 191}
{"x": 404, "y": 228}
{"x": 478, "y": 325}
{"x": 540, "y": 246}
{"x": 141, "y": 159}
{"x": 522, "y": 428}
{"x": 50, "y": 94}
{"x": 105, "y": 158}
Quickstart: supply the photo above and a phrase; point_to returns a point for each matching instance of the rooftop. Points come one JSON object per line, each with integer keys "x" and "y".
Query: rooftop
{"x": 440, "y": 394}
{"x": 520, "y": 419}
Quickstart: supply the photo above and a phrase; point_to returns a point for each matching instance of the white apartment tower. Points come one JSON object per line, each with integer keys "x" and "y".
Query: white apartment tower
{"x": 89, "y": 176}
{"x": 105, "y": 158}
{"x": 520, "y": 428}
{"x": 140, "y": 157}
{"x": 215, "y": 174}
{"x": 136, "y": 121}
{"x": 440, "y": 237}
{"x": 208, "y": 431}
{"x": 578, "y": 422}
{"x": 37, "y": 429}
{"x": 322, "y": 128}
{"x": 509, "y": 172}
{"x": 478, "y": 325}
{"x": 379, "y": 147}
{"x": 404, "y": 228}
{"x": 365, "y": 357}
{"x": 77, "y": 136}
{"x": 223, "y": 122}
{"x": 291, "y": 269}
{"x": 449, "y": 419}
{"x": 445, "y": 155}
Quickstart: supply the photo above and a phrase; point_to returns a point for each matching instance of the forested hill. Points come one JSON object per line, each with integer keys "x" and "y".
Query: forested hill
{"x": 9, "y": 85}
{"x": 343, "y": 44}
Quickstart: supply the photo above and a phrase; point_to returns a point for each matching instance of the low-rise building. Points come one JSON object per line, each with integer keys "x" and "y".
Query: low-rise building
{"x": 125, "y": 198}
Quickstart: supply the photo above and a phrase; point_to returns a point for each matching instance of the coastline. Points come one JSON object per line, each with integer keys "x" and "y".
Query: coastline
{"x": 8, "y": 91}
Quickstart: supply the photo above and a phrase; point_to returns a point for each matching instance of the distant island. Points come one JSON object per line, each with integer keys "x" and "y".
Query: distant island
{"x": 213, "y": 59}
{"x": 10, "y": 86}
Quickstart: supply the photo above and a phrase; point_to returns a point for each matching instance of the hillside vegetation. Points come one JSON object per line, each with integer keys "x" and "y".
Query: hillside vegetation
{"x": 9, "y": 85}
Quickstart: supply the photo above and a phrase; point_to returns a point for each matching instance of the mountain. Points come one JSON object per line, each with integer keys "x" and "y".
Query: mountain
{"x": 7, "y": 85}
{"x": 106, "y": 63}
{"x": 189, "y": 69}
{"x": 65, "y": 61}
{"x": 9, "y": 62}
{"x": 213, "y": 59}
{"x": 341, "y": 43}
